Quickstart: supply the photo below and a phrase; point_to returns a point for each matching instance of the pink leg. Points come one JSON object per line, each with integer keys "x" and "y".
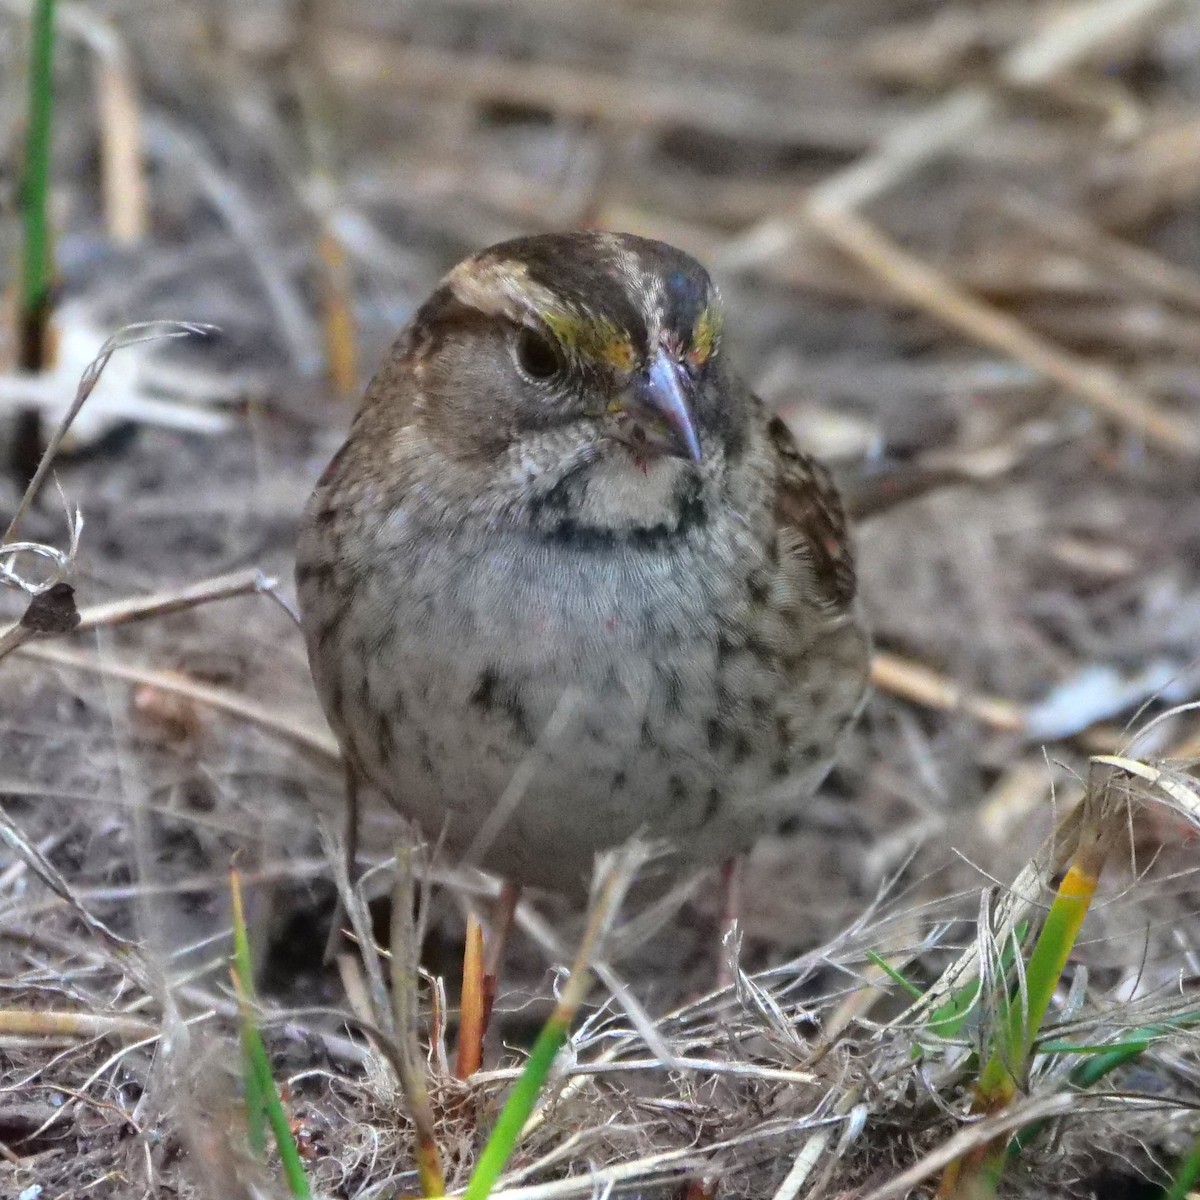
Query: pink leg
{"x": 503, "y": 915}
{"x": 481, "y": 975}
{"x": 731, "y": 909}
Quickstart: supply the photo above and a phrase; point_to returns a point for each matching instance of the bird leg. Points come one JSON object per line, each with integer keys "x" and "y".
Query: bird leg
{"x": 473, "y": 1010}
{"x": 349, "y": 860}
{"x": 481, "y": 975}
{"x": 731, "y": 908}
{"x": 503, "y": 915}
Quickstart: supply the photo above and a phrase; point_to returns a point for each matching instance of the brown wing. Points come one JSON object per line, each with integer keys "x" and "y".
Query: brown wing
{"x": 808, "y": 507}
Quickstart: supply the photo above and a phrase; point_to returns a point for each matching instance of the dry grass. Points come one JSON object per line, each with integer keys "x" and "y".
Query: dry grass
{"x": 959, "y": 248}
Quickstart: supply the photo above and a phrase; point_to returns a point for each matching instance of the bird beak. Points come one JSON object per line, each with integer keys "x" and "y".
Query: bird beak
{"x": 660, "y": 398}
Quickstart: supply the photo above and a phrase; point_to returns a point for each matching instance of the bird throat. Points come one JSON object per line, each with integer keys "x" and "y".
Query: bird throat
{"x": 612, "y": 503}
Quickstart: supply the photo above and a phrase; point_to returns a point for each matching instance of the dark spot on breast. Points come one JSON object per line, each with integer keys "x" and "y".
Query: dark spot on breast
{"x": 742, "y": 748}
{"x": 384, "y": 741}
{"x": 677, "y": 793}
{"x": 781, "y": 768}
{"x": 716, "y": 734}
{"x": 485, "y": 691}
{"x": 672, "y": 688}
{"x": 619, "y": 781}
{"x": 596, "y": 731}
{"x": 789, "y": 826}
{"x": 783, "y": 731}
{"x": 726, "y": 649}
{"x": 760, "y": 707}
{"x": 648, "y": 628}
{"x": 712, "y": 803}
{"x": 759, "y": 589}
{"x": 498, "y": 696}
{"x": 425, "y": 752}
{"x": 647, "y": 734}
{"x": 383, "y": 640}
{"x": 764, "y": 653}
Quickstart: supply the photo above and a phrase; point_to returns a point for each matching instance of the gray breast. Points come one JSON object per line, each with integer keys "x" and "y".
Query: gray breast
{"x": 669, "y": 707}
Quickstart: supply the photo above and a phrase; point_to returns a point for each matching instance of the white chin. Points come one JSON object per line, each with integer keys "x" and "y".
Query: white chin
{"x": 626, "y": 486}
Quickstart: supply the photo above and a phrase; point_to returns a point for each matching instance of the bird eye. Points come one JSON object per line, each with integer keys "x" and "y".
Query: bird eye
{"x": 537, "y": 356}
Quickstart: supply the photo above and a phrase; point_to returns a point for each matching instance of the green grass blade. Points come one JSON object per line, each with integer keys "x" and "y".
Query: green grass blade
{"x": 894, "y": 975}
{"x": 289, "y": 1153}
{"x": 36, "y": 270}
{"x": 517, "y": 1109}
{"x": 243, "y": 977}
{"x": 1130, "y": 1046}
{"x": 256, "y": 1112}
{"x": 262, "y": 1097}
{"x": 976, "y": 1175}
{"x": 519, "y": 1106}
{"x": 947, "y": 1020}
{"x": 1181, "y": 1186}
{"x": 1101, "y": 1061}
{"x": 998, "y": 1079}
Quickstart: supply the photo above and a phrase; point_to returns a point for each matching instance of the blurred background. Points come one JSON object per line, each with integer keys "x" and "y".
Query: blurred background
{"x": 959, "y": 244}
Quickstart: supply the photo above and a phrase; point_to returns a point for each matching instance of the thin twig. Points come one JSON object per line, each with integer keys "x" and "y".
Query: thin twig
{"x": 122, "y": 168}
{"x": 1071, "y": 36}
{"x": 130, "y": 335}
{"x": 292, "y": 729}
{"x": 1038, "y": 1108}
{"x": 38, "y": 1023}
{"x": 922, "y": 685}
{"x": 930, "y": 289}
{"x": 405, "y": 964}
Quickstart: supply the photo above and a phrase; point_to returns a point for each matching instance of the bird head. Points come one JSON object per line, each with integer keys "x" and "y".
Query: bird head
{"x": 598, "y": 340}
{"x": 569, "y": 382}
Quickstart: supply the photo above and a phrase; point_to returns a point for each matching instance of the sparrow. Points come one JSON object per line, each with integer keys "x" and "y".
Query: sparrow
{"x": 568, "y": 581}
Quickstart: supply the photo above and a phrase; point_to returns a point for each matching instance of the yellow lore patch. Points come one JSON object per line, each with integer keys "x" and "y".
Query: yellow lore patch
{"x": 618, "y": 352}
{"x": 704, "y": 335}
{"x": 590, "y": 337}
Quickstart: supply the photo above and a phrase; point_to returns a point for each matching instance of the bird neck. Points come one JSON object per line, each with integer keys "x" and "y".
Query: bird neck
{"x": 611, "y": 503}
